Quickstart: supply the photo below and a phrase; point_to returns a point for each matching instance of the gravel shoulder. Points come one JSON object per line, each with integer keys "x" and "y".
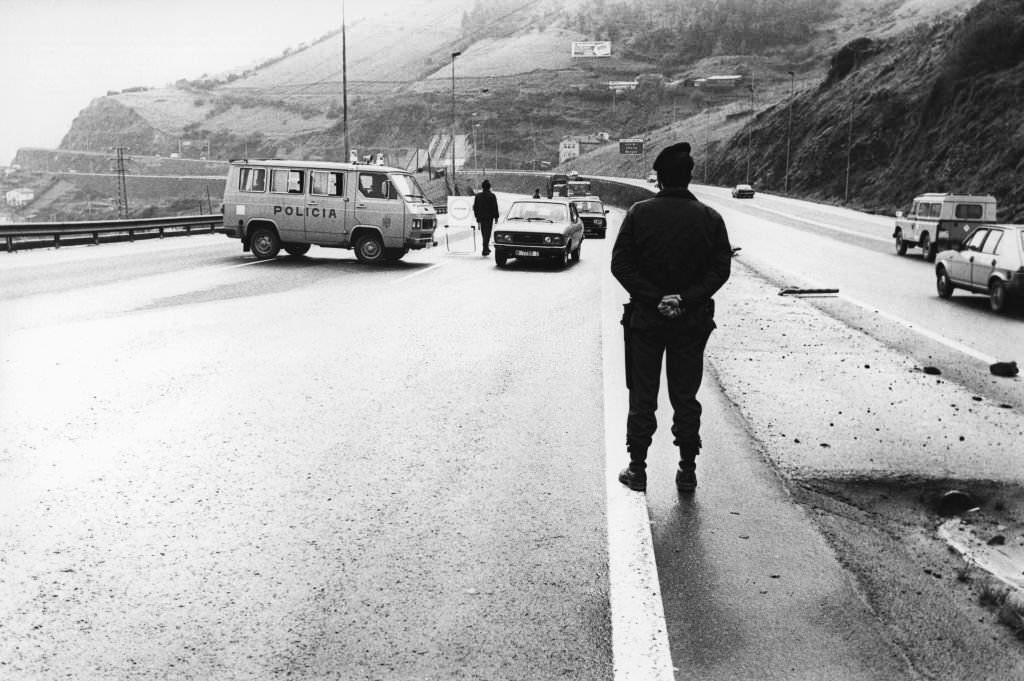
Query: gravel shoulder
{"x": 867, "y": 443}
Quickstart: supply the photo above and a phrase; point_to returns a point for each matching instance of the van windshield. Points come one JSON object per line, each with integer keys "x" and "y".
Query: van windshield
{"x": 407, "y": 187}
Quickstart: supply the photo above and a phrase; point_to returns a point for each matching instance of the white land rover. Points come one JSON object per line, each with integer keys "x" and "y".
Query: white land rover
{"x": 936, "y": 222}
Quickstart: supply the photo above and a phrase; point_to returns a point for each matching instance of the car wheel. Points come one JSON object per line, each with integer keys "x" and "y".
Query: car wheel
{"x": 576, "y": 254}
{"x": 265, "y": 243}
{"x": 297, "y": 249}
{"x": 500, "y": 258}
{"x": 927, "y": 248}
{"x": 369, "y": 249}
{"x": 997, "y": 296}
{"x": 901, "y": 245}
{"x": 943, "y": 285}
{"x": 564, "y": 256}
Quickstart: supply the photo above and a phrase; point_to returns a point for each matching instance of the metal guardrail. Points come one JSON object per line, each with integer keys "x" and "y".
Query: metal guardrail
{"x": 48, "y": 233}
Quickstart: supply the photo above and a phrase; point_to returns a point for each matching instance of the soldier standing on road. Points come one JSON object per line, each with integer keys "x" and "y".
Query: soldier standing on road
{"x": 485, "y": 209}
{"x": 672, "y": 254}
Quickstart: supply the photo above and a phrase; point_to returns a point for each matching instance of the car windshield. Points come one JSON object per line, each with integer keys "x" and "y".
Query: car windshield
{"x": 538, "y": 210}
{"x": 588, "y": 206}
{"x": 407, "y": 187}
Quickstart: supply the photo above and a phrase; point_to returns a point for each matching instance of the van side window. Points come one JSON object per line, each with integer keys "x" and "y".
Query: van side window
{"x": 992, "y": 242}
{"x": 325, "y": 183}
{"x": 968, "y": 211}
{"x": 376, "y": 186}
{"x": 252, "y": 180}
{"x": 285, "y": 181}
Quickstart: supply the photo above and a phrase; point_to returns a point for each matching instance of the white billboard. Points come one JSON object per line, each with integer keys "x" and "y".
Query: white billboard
{"x": 592, "y": 48}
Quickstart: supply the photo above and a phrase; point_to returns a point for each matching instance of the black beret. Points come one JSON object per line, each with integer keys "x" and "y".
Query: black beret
{"x": 674, "y": 158}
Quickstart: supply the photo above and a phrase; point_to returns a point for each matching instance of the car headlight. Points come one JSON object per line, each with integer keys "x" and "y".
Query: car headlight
{"x": 599, "y": 222}
{"x": 553, "y": 239}
{"x": 503, "y": 236}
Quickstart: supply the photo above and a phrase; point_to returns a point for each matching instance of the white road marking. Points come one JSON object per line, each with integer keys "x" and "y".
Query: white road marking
{"x": 640, "y": 648}
{"x": 927, "y": 333}
{"x": 833, "y": 228}
{"x": 416, "y": 274}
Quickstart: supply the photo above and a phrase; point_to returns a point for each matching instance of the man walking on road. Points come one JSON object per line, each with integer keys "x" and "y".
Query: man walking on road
{"x": 672, "y": 254}
{"x": 485, "y": 209}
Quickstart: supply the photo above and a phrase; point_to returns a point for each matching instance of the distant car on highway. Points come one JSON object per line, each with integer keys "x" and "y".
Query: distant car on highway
{"x": 743, "y": 191}
{"x": 990, "y": 260}
{"x": 593, "y": 213}
{"x": 652, "y": 177}
{"x": 539, "y": 229}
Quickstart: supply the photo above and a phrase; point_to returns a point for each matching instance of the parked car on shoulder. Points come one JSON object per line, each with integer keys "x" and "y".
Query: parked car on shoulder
{"x": 936, "y": 222}
{"x": 539, "y": 229}
{"x": 743, "y": 191}
{"x": 989, "y": 261}
{"x": 593, "y": 213}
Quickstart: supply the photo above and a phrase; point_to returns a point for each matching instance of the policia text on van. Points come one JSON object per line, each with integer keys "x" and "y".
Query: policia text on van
{"x": 378, "y": 211}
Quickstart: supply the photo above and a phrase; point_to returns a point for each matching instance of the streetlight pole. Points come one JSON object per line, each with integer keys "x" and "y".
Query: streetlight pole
{"x": 475, "y": 163}
{"x": 789, "y": 127}
{"x": 344, "y": 85}
{"x": 454, "y": 189}
{"x": 750, "y": 124}
{"x": 707, "y": 141}
{"x": 849, "y": 132}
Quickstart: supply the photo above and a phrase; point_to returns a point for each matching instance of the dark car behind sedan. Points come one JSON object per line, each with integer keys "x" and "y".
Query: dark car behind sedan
{"x": 593, "y": 214}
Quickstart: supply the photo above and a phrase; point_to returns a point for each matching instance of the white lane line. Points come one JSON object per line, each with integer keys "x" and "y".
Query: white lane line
{"x": 832, "y": 228}
{"x": 416, "y": 273}
{"x": 242, "y": 264}
{"x": 927, "y": 333}
{"x": 640, "y": 648}
{"x": 916, "y": 328}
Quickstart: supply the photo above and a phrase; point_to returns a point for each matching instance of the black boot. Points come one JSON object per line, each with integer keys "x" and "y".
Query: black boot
{"x": 686, "y": 476}
{"x": 634, "y": 476}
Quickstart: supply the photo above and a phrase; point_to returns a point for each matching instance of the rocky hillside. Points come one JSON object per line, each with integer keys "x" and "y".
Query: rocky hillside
{"x": 519, "y": 92}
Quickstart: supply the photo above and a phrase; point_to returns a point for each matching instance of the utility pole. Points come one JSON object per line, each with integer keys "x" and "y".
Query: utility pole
{"x": 789, "y": 127}
{"x": 122, "y": 184}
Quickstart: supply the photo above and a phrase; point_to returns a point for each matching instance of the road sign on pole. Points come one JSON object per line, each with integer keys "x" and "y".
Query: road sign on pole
{"x": 634, "y": 146}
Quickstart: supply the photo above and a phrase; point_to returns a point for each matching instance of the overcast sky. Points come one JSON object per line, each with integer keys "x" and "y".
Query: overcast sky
{"x": 58, "y": 55}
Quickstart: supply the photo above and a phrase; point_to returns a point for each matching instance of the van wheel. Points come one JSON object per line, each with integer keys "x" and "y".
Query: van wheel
{"x": 943, "y": 285}
{"x": 265, "y": 243}
{"x": 369, "y": 249}
{"x": 997, "y": 296}
{"x": 297, "y": 249}
{"x": 901, "y": 245}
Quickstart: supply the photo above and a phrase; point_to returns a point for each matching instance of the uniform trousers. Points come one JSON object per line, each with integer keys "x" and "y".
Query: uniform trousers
{"x": 683, "y": 350}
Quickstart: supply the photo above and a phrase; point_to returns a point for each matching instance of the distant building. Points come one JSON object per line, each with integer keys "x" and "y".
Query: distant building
{"x": 19, "y": 198}
{"x": 719, "y": 82}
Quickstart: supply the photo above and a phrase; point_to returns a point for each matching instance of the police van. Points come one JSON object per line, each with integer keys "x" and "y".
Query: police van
{"x": 378, "y": 211}
{"x": 936, "y": 222}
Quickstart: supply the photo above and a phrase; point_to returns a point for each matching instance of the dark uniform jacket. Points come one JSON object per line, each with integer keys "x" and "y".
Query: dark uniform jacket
{"x": 671, "y": 244}
{"x": 485, "y": 206}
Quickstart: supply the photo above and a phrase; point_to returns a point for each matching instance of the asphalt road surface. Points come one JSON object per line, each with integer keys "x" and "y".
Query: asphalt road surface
{"x": 213, "y": 467}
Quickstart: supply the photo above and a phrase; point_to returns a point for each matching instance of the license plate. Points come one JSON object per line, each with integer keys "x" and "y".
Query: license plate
{"x": 528, "y": 254}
